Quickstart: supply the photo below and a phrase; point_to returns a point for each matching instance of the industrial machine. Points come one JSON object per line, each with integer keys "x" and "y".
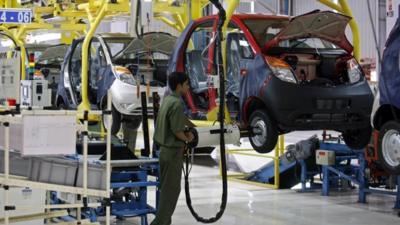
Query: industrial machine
{"x": 35, "y": 93}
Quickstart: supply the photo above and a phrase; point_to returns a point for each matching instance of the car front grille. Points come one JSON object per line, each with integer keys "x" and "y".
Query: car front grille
{"x": 332, "y": 104}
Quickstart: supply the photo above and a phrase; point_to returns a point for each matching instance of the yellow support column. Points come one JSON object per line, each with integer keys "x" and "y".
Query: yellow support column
{"x": 85, "y": 105}
{"x": 232, "y": 4}
{"x": 196, "y": 9}
{"x": 281, "y": 144}
{"x": 276, "y": 167}
{"x": 354, "y": 27}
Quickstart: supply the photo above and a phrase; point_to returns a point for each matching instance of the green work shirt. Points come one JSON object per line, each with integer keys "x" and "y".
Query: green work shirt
{"x": 171, "y": 119}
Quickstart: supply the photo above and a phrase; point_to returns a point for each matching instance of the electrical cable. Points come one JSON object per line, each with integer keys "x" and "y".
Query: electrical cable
{"x": 380, "y": 61}
{"x": 221, "y": 21}
{"x": 138, "y": 17}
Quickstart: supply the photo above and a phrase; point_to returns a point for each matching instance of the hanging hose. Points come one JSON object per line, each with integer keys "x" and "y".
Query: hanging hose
{"x": 138, "y": 18}
{"x": 221, "y": 21}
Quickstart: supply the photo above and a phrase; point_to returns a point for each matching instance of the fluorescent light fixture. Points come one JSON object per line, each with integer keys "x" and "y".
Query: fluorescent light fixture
{"x": 7, "y": 43}
{"x": 38, "y": 38}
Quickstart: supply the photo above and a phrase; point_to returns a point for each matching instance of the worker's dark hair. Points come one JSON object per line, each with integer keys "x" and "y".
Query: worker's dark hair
{"x": 176, "y": 78}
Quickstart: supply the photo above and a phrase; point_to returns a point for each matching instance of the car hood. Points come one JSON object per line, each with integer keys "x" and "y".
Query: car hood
{"x": 154, "y": 42}
{"x": 326, "y": 25}
{"x": 53, "y": 55}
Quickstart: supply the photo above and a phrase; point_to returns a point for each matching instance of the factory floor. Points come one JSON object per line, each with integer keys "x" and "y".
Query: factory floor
{"x": 254, "y": 205}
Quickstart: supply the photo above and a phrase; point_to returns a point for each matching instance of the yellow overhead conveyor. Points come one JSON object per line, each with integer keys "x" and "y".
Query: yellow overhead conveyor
{"x": 70, "y": 20}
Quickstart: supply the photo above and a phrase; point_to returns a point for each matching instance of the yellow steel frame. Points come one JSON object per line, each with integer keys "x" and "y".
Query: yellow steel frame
{"x": 344, "y": 8}
{"x": 96, "y": 10}
{"x": 92, "y": 10}
{"x": 180, "y": 14}
{"x": 278, "y": 151}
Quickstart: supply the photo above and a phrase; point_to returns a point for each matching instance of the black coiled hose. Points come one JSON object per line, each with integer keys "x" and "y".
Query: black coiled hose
{"x": 221, "y": 21}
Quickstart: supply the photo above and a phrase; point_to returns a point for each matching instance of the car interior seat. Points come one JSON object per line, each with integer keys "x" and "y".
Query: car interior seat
{"x": 233, "y": 64}
{"x": 197, "y": 75}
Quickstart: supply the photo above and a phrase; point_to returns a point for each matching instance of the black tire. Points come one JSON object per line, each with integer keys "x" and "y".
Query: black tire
{"x": 385, "y": 154}
{"x": 263, "y": 132}
{"x": 115, "y": 121}
{"x": 357, "y": 139}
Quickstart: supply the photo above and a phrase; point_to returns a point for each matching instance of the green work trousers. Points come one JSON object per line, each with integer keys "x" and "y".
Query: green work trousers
{"x": 171, "y": 163}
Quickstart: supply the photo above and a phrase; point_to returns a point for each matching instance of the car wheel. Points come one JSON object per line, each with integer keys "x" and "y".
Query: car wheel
{"x": 115, "y": 121}
{"x": 389, "y": 147}
{"x": 357, "y": 139}
{"x": 264, "y": 134}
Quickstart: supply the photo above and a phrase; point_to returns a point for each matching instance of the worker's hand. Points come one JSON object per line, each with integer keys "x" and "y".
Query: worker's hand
{"x": 189, "y": 136}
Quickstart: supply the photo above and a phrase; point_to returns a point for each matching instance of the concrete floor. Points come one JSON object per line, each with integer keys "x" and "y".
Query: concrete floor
{"x": 251, "y": 205}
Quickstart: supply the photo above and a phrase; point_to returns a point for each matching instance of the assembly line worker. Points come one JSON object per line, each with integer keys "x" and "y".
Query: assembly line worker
{"x": 169, "y": 135}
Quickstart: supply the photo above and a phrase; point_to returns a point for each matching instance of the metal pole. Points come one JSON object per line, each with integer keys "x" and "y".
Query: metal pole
{"x": 276, "y": 167}
{"x": 108, "y": 157}
{"x": 397, "y": 205}
{"x": 145, "y": 125}
{"x": 278, "y": 7}
{"x": 85, "y": 154}
{"x": 156, "y": 107}
{"x": 325, "y": 183}
{"x": 6, "y": 170}
{"x": 303, "y": 175}
{"x": 85, "y": 161}
{"x": 362, "y": 196}
{"x": 281, "y": 144}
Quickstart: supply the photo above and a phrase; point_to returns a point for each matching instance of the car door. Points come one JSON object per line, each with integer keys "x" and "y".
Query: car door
{"x": 97, "y": 66}
{"x": 74, "y": 74}
{"x": 98, "y": 70}
{"x": 240, "y": 61}
{"x": 199, "y": 61}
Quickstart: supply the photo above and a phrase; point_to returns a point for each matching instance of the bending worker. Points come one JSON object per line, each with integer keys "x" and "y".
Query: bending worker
{"x": 171, "y": 137}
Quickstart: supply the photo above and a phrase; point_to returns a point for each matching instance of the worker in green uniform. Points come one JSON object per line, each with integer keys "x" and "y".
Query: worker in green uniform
{"x": 170, "y": 136}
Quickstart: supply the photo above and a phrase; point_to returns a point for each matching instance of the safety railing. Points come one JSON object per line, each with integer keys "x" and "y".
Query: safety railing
{"x": 278, "y": 151}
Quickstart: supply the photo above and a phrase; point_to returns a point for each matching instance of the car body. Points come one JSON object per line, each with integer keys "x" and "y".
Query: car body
{"x": 283, "y": 74}
{"x": 49, "y": 64}
{"x": 386, "y": 108}
{"x": 121, "y": 64}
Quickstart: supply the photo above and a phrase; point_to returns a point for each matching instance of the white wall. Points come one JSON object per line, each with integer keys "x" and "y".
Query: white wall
{"x": 392, "y": 14}
{"x": 304, "y": 6}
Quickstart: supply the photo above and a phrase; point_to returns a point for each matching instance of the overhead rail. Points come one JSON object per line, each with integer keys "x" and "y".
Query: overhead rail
{"x": 70, "y": 17}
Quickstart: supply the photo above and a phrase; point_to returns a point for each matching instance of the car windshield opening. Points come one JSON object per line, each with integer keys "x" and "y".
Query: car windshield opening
{"x": 116, "y": 45}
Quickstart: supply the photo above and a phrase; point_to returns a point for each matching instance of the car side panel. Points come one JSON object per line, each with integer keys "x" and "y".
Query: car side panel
{"x": 61, "y": 89}
{"x": 252, "y": 83}
{"x": 176, "y": 62}
{"x": 104, "y": 83}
